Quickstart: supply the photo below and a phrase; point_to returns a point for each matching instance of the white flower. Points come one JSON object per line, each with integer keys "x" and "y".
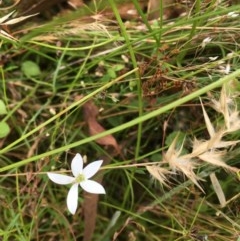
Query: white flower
{"x": 80, "y": 177}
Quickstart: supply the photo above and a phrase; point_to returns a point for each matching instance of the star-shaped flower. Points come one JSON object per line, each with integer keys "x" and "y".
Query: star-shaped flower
{"x": 80, "y": 177}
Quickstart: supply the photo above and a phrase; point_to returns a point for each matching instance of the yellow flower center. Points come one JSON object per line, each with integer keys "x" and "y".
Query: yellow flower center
{"x": 80, "y": 178}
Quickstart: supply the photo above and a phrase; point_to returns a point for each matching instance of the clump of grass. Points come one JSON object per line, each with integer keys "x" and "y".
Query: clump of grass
{"x": 145, "y": 78}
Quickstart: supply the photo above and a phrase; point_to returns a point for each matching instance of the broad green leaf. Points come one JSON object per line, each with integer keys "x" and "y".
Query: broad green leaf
{"x": 4, "y": 129}
{"x": 30, "y": 69}
{"x": 3, "y": 109}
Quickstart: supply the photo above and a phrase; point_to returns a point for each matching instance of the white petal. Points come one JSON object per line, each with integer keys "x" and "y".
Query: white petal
{"x": 60, "y": 179}
{"x": 77, "y": 165}
{"x": 92, "y": 187}
{"x": 72, "y": 199}
{"x": 92, "y": 168}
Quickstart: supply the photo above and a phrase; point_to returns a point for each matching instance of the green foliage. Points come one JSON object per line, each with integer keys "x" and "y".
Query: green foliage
{"x": 30, "y": 69}
{"x": 4, "y": 127}
{"x": 144, "y": 78}
{"x": 3, "y": 109}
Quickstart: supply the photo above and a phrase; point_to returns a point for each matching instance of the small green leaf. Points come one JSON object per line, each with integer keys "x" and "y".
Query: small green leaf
{"x": 132, "y": 84}
{"x": 118, "y": 67}
{"x": 4, "y": 129}
{"x": 156, "y": 157}
{"x": 171, "y": 137}
{"x": 111, "y": 73}
{"x": 30, "y": 69}
{"x": 140, "y": 171}
{"x": 3, "y": 110}
{"x": 180, "y": 140}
